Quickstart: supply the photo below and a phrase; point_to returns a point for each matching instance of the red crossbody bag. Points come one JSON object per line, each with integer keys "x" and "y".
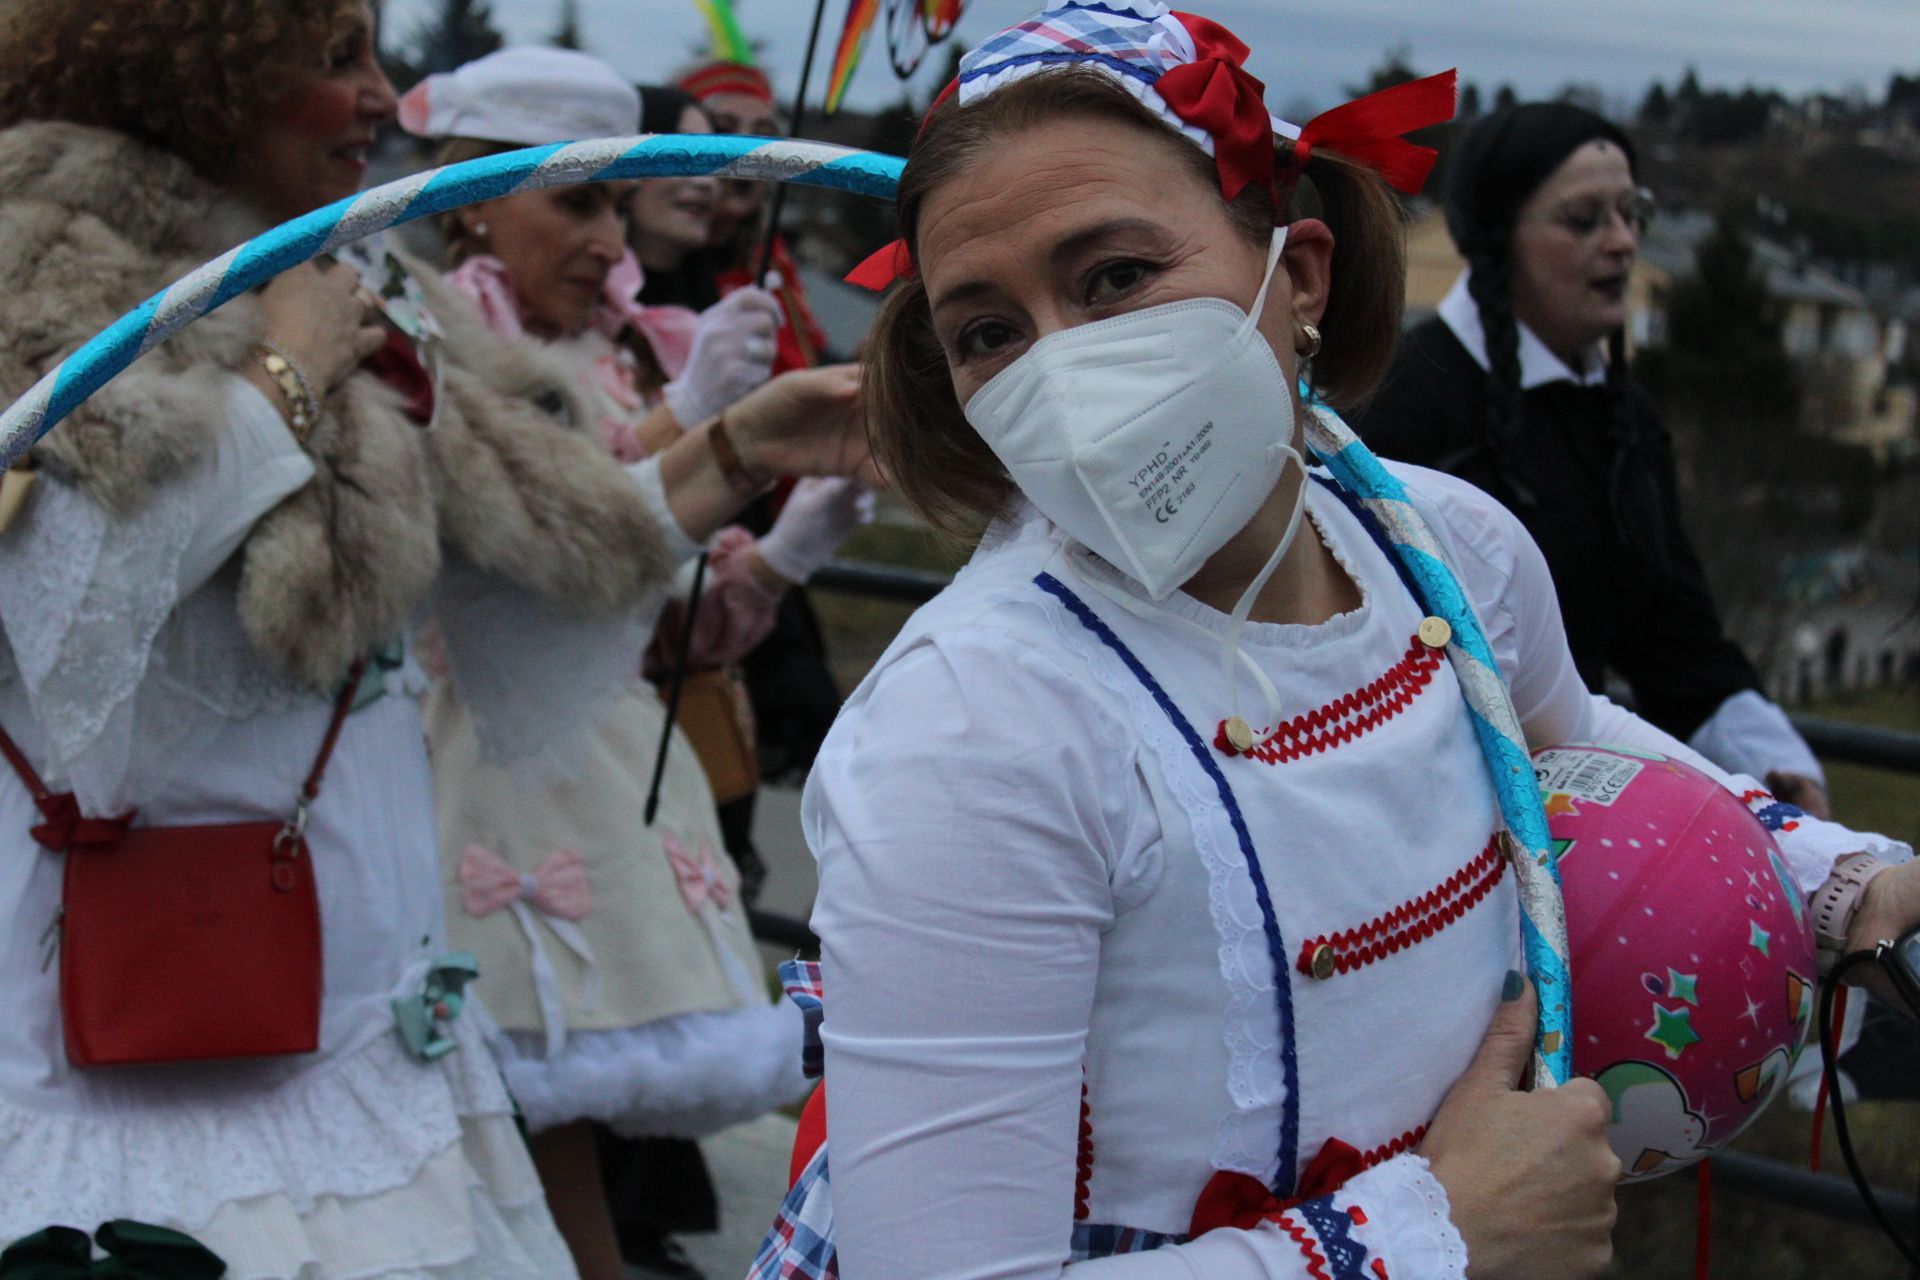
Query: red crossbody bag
{"x": 181, "y": 944}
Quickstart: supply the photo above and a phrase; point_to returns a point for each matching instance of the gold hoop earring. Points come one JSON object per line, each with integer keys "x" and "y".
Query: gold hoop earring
{"x": 1312, "y": 336}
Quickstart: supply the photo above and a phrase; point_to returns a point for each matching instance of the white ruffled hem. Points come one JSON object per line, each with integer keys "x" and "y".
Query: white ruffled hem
{"x": 682, "y": 1077}
{"x": 474, "y": 1212}
{"x": 182, "y": 1144}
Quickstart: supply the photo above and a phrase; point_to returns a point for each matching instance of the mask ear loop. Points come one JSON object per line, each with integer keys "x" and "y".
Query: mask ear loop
{"x": 1231, "y": 655}
{"x": 1239, "y": 733}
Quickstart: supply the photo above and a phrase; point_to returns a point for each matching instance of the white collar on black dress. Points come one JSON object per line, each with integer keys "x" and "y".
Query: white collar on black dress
{"x": 1538, "y": 365}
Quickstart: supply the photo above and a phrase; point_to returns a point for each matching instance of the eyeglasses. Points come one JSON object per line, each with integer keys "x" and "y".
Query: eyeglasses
{"x": 1588, "y": 216}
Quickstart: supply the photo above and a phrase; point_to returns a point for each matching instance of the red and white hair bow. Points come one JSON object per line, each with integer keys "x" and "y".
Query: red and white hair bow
{"x": 561, "y": 894}
{"x": 1191, "y": 72}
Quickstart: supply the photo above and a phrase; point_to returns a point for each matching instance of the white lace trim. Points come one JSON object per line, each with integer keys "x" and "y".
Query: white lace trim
{"x": 1245, "y": 1141}
{"x": 1409, "y": 1221}
{"x": 681, "y": 1077}
{"x": 178, "y": 1150}
{"x": 475, "y": 1211}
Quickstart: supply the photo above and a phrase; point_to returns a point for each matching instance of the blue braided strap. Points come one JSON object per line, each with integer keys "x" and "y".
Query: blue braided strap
{"x": 424, "y": 194}
{"x": 1542, "y": 913}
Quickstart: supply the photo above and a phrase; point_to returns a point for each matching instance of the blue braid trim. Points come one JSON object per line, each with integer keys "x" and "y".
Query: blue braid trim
{"x": 1335, "y": 1228}
{"x": 1778, "y": 814}
{"x": 1276, "y": 948}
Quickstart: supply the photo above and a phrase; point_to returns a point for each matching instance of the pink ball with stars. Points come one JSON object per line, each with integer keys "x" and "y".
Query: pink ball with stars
{"x": 1693, "y": 959}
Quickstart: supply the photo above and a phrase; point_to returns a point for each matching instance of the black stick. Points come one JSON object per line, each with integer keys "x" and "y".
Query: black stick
{"x": 674, "y": 688}
{"x": 793, "y": 131}
{"x": 678, "y": 680}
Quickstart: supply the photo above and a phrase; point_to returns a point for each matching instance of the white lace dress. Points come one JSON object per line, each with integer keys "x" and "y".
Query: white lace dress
{"x": 126, "y": 678}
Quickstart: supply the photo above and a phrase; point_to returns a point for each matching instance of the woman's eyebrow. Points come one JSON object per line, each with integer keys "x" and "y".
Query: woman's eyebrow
{"x": 1074, "y": 245}
{"x": 1065, "y": 250}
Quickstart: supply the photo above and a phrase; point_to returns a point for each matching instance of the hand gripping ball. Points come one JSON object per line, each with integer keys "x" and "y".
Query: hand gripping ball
{"x": 1693, "y": 960}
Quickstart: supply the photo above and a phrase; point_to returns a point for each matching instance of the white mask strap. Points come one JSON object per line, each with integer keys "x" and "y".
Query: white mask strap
{"x": 1274, "y": 249}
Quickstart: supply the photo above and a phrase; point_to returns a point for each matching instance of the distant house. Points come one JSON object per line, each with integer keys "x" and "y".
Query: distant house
{"x": 1845, "y": 346}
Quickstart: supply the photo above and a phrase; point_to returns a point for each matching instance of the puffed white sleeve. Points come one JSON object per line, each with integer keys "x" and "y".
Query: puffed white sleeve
{"x": 970, "y": 812}
{"x": 1507, "y": 576}
{"x": 84, "y": 591}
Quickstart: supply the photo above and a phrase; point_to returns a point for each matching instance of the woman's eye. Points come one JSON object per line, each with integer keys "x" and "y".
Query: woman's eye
{"x": 1115, "y": 278}
{"x": 343, "y": 55}
{"x": 983, "y": 338}
{"x": 1583, "y": 220}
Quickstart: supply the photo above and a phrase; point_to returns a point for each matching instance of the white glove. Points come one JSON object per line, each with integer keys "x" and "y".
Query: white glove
{"x": 819, "y": 514}
{"x": 733, "y": 350}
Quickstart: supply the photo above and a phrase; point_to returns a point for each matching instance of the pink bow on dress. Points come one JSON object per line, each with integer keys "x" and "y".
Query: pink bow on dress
{"x": 559, "y": 888}
{"x": 702, "y": 877}
{"x": 707, "y": 880}
{"x": 561, "y": 894}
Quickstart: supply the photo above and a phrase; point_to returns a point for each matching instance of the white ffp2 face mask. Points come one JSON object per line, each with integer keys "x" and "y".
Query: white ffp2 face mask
{"x": 1151, "y": 438}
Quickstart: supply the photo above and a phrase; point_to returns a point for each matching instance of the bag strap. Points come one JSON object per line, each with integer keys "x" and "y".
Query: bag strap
{"x": 47, "y": 802}
{"x": 342, "y": 708}
{"x": 28, "y": 778}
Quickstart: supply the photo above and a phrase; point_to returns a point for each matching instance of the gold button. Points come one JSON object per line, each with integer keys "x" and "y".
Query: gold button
{"x": 1322, "y": 962}
{"x": 1240, "y": 734}
{"x": 1435, "y": 633}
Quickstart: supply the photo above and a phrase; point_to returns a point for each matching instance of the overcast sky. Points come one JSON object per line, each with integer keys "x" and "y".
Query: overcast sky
{"x": 1308, "y": 51}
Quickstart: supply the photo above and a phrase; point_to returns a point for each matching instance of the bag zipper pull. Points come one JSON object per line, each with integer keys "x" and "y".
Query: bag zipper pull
{"x": 50, "y": 939}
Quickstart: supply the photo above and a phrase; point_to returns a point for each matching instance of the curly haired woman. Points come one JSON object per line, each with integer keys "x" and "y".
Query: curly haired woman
{"x": 210, "y": 546}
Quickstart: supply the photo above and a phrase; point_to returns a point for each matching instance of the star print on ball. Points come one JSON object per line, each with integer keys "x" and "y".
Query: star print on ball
{"x": 1692, "y": 958}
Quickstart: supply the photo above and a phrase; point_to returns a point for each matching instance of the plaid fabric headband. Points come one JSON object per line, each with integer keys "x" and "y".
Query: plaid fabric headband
{"x": 1190, "y": 71}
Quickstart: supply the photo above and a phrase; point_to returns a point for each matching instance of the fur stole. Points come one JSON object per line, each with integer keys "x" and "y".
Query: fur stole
{"x": 92, "y": 222}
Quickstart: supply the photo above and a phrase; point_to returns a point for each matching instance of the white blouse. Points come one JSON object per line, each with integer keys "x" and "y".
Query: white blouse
{"x": 1052, "y": 1004}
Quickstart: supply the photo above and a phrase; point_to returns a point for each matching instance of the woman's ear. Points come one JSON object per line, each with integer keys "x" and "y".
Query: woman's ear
{"x": 1308, "y": 258}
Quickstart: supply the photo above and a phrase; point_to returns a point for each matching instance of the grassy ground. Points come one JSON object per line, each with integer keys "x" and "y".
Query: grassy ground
{"x": 1873, "y": 799}
{"x": 1753, "y": 1239}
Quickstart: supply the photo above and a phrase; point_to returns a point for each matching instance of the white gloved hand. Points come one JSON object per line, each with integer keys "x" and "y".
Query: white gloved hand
{"x": 733, "y": 350}
{"x": 819, "y": 514}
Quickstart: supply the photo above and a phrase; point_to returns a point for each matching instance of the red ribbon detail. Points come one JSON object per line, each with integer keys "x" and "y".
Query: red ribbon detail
{"x": 1242, "y": 1202}
{"x": 1369, "y": 130}
{"x": 883, "y": 267}
{"x": 1214, "y": 93}
{"x": 398, "y": 365}
{"x": 66, "y": 828}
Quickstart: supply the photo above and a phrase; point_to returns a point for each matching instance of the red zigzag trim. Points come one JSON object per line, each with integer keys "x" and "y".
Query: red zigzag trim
{"x": 1309, "y": 1243}
{"x": 1347, "y": 717}
{"x": 1413, "y": 921}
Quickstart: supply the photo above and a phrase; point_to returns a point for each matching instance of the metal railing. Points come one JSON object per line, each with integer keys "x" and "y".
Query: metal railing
{"x": 1834, "y": 741}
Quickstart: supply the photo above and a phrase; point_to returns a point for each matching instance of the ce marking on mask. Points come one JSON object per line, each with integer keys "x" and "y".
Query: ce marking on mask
{"x": 1167, "y": 481}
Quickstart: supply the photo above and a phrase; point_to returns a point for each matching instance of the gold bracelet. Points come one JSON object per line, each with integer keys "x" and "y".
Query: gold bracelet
{"x": 739, "y": 479}
{"x": 303, "y": 406}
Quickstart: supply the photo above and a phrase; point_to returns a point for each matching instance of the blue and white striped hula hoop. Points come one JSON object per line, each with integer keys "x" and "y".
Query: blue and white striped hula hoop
{"x": 257, "y": 261}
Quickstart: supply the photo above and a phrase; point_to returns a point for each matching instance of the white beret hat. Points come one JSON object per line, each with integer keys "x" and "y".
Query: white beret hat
{"x": 527, "y": 95}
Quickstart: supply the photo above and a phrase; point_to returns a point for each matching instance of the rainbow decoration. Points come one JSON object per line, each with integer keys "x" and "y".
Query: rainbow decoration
{"x": 728, "y": 41}
{"x": 421, "y": 196}
{"x": 846, "y": 55}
